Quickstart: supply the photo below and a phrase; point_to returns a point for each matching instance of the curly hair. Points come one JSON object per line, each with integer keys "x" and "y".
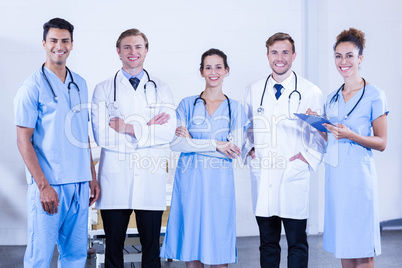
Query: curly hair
{"x": 354, "y": 36}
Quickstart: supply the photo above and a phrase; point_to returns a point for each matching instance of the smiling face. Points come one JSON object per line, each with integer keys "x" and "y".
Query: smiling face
{"x": 347, "y": 59}
{"x": 281, "y": 56}
{"x": 214, "y": 71}
{"x": 58, "y": 45}
{"x": 132, "y": 52}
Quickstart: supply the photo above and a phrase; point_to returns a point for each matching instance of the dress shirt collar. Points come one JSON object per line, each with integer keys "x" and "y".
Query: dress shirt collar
{"x": 128, "y": 76}
{"x": 285, "y": 83}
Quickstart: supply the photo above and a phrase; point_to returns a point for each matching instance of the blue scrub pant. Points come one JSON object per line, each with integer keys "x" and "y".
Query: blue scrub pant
{"x": 68, "y": 228}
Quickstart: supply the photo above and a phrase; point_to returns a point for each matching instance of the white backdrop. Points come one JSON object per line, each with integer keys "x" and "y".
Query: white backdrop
{"x": 179, "y": 32}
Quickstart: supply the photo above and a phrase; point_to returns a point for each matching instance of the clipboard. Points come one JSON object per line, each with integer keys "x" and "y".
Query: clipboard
{"x": 315, "y": 121}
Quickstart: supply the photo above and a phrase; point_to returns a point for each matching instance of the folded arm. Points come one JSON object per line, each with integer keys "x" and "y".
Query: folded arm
{"x": 183, "y": 142}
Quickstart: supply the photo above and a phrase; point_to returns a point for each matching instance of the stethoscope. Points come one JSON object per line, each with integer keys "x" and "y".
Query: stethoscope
{"x": 230, "y": 135}
{"x": 114, "y": 105}
{"x": 336, "y": 96}
{"x": 260, "y": 109}
{"x": 56, "y": 99}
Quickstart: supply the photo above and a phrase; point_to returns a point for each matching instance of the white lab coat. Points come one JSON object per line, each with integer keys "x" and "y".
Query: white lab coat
{"x": 132, "y": 171}
{"x": 281, "y": 187}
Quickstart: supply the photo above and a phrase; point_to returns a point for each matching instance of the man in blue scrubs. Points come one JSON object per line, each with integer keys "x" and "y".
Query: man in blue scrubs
{"x": 52, "y": 137}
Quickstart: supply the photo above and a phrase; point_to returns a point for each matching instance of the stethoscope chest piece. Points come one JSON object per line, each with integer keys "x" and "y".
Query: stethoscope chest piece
{"x": 56, "y": 98}
{"x": 230, "y": 137}
{"x": 260, "y": 110}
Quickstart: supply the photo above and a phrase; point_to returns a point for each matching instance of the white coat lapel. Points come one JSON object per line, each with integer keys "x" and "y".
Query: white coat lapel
{"x": 124, "y": 86}
{"x": 143, "y": 80}
{"x": 269, "y": 89}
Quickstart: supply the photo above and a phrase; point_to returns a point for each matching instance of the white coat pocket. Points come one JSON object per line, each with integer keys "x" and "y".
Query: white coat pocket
{"x": 255, "y": 166}
{"x": 296, "y": 170}
{"x": 294, "y": 191}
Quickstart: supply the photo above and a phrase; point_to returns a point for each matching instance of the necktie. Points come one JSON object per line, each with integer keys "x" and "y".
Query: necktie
{"x": 278, "y": 90}
{"x": 134, "y": 82}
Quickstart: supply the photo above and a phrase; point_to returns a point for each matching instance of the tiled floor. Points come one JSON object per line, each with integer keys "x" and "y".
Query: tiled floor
{"x": 248, "y": 255}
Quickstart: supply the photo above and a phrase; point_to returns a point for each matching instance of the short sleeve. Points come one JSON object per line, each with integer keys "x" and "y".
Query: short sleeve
{"x": 26, "y": 106}
{"x": 379, "y": 106}
{"x": 328, "y": 103}
{"x": 240, "y": 119}
{"x": 85, "y": 91}
{"x": 181, "y": 114}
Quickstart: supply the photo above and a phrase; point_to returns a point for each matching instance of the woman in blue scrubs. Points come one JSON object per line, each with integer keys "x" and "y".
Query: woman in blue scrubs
{"x": 358, "y": 109}
{"x": 202, "y": 221}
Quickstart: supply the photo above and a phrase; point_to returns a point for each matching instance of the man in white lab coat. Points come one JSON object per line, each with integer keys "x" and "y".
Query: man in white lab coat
{"x": 133, "y": 120}
{"x": 284, "y": 150}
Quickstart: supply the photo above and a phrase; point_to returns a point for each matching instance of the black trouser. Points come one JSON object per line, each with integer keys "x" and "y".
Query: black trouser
{"x": 270, "y": 234}
{"x": 115, "y": 223}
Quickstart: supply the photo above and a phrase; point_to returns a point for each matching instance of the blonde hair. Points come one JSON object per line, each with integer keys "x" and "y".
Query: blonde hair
{"x": 131, "y": 32}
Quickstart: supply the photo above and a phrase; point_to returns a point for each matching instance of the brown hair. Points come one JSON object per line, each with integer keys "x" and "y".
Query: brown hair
{"x": 280, "y": 37}
{"x": 131, "y": 32}
{"x": 217, "y": 52}
{"x": 354, "y": 36}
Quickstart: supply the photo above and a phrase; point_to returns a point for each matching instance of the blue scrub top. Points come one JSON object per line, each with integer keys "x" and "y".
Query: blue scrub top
{"x": 351, "y": 221}
{"x": 60, "y": 138}
{"x": 202, "y": 219}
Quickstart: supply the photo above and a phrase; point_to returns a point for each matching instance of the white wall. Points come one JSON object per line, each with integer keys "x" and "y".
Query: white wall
{"x": 179, "y": 32}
